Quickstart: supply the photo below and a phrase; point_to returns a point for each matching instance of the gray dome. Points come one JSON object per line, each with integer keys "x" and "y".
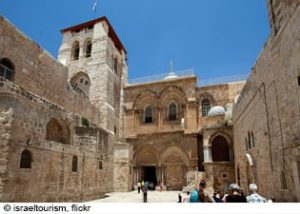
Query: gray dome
{"x": 217, "y": 110}
{"x": 171, "y": 75}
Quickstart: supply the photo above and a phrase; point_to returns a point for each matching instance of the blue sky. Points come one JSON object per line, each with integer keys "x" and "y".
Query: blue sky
{"x": 216, "y": 38}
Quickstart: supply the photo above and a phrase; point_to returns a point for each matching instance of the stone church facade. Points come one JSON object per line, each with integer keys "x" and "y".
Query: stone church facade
{"x": 73, "y": 129}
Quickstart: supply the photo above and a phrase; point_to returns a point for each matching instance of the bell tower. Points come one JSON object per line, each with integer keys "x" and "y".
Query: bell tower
{"x": 96, "y": 59}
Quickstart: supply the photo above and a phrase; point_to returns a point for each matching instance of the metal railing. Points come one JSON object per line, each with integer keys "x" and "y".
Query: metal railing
{"x": 223, "y": 80}
{"x": 162, "y": 76}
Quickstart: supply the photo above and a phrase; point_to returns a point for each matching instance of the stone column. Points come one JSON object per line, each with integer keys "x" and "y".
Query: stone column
{"x": 207, "y": 154}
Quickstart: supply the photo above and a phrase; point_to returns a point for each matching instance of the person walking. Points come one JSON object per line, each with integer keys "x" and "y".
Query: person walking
{"x": 254, "y": 197}
{"x": 180, "y": 195}
{"x": 235, "y": 195}
{"x": 145, "y": 194}
{"x": 139, "y": 187}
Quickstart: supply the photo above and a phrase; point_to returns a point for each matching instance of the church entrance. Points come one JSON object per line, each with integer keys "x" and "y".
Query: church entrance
{"x": 149, "y": 176}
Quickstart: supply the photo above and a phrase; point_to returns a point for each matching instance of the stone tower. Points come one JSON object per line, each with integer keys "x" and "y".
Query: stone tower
{"x": 96, "y": 59}
{"x": 280, "y": 11}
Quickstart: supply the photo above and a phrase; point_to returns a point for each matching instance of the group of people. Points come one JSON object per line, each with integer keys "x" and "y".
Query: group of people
{"x": 236, "y": 195}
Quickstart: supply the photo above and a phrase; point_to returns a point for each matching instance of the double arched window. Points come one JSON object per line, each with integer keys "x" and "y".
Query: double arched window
{"x": 148, "y": 115}
{"x": 75, "y": 50}
{"x": 172, "y": 112}
{"x": 205, "y": 106}
{"x": 26, "y": 159}
{"x": 6, "y": 69}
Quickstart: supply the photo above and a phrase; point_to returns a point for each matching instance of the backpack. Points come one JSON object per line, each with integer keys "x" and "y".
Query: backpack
{"x": 194, "y": 196}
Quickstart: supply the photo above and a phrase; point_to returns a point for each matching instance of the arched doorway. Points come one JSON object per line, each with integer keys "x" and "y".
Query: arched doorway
{"x": 174, "y": 168}
{"x": 146, "y": 168}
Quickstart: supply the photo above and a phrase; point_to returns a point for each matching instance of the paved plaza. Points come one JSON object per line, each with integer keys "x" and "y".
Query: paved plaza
{"x": 134, "y": 197}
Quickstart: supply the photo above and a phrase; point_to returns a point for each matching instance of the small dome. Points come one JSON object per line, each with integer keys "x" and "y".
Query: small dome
{"x": 171, "y": 75}
{"x": 217, "y": 110}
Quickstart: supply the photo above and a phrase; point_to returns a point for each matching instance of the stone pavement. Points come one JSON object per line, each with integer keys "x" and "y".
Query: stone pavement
{"x": 134, "y": 197}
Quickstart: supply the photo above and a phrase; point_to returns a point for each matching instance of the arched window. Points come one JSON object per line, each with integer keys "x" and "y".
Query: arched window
{"x": 75, "y": 51}
{"x": 172, "y": 111}
{"x": 116, "y": 65}
{"x": 148, "y": 115}
{"x": 74, "y": 163}
{"x": 88, "y": 48}
{"x": 81, "y": 83}
{"x": 57, "y": 131}
{"x": 6, "y": 69}
{"x": 26, "y": 159}
{"x": 220, "y": 149}
{"x": 205, "y": 106}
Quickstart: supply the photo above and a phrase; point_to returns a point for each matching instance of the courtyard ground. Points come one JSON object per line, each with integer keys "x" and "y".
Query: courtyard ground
{"x": 134, "y": 197}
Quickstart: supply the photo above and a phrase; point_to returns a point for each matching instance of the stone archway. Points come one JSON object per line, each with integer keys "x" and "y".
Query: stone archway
{"x": 146, "y": 165}
{"x": 174, "y": 163}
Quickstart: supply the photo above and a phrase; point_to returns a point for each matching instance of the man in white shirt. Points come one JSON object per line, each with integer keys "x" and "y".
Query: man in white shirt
{"x": 254, "y": 197}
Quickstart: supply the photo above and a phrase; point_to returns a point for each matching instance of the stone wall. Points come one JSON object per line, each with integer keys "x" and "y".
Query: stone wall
{"x": 39, "y": 73}
{"x": 266, "y": 116}
{"x": 50, "y": 177}
{"x": 40, "y": 92}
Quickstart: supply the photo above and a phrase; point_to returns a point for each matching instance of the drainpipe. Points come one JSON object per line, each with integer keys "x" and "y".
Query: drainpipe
{"x": 263, "y": 85}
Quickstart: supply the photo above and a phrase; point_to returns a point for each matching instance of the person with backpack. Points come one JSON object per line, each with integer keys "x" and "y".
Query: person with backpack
{"x": 194, "y": 198}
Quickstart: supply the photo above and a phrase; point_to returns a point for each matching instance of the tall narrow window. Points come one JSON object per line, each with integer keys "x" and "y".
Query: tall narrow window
{"x": 172, "y": 112}
{"x": 299, "y": 80}
{"x": 148, "y": 115}
{"x": 88, "y": 48}
{"x": 26, "y": 159}
{"x": 116, "y": 65}
{"x": 100, "y": 165}
{"x": 205, "y": 105}
{"x": 238, "y": 175}
{"x": 75, "y": 51}
{"x": 283, "y": 180}
{"x": 252, "y": 139}
{"x": 74, "y": 163}
{"x": 6, "y": 69}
